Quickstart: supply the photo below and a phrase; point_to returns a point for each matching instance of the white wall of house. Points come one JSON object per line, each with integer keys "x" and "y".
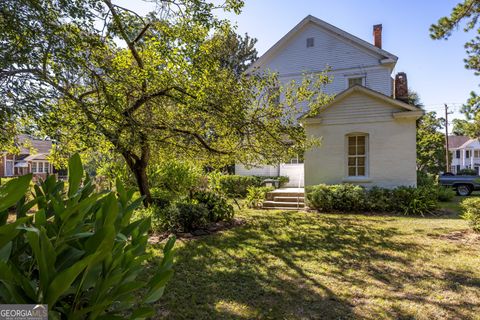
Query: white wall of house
{"x": 391, "y": 146}
{"x": 393, "y": 157}
{"x": 262, "y": 171}
{"x": 344, "y": 59}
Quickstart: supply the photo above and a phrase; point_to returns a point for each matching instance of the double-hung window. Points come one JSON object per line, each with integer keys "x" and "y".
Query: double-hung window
{"x": 357, "y": 157}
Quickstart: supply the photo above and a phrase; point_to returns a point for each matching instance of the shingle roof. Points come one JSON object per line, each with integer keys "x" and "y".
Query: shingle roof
{"x": 27, "y": 142}
{"x": 456, "y": 141}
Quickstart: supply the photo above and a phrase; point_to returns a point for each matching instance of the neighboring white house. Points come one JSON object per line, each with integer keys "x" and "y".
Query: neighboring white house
{"x": 368, "y": 137}
{"x": 465, "y": 153}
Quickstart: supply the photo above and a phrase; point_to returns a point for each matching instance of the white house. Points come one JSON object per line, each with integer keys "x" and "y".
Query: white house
{"x": 368, "y": 137}
{"x": 465, "y": 153}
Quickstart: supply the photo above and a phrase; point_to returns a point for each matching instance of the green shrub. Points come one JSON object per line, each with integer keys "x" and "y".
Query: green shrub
{"x": 466, "y": 172}
{"x": 340, "y": 197}
{"x": 426, "y": 179}
{"x": 320, "y": 197}
{"x": 351, "y": 198}
{"x": 445, "y": 194}
{"x": 162, "y": 198}
{"x": 184, "y": 217}
{"x": 237, "y": 186}
{"x": 79, "y": 253}
{"x": 414, "y": 201}
{"x": 471, "y": 212}
{"x": 177, "y": 177}
{"x": 378, "y": 200}
{"x": 217, "y": 205}
{"x": 256, "y": 196}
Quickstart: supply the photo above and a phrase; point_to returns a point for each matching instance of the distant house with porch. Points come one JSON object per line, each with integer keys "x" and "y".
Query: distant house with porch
{"x": 465, "y": 153}
{"x": 32, "y": 158}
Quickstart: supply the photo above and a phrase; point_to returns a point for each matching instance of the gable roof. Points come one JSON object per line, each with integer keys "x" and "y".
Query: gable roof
{"x": 40, "y": 146}
{"x": 369, "y": 92}
{"x": 457, "y": 141}
{"x": 347, "y": 37}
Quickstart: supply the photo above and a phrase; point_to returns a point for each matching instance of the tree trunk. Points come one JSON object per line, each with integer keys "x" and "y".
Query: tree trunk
{"x": 142, "y": 182}
{"x": 139, "y": 169}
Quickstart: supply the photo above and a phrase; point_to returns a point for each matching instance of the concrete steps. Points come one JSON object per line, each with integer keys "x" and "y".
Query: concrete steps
{"x": 284, "y": 199}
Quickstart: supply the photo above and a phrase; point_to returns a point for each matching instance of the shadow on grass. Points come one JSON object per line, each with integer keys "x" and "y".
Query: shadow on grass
{"x": 288, "y": 266}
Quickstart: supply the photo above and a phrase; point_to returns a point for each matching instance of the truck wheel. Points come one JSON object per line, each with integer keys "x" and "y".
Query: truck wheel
{"x": 464, "y": 190}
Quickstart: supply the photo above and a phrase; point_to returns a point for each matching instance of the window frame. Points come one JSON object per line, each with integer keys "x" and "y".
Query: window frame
{"x": 12, "y": 162}
{"x": 366, "y": 154}
{"x": 308, "y": 44}
{"x": 355, "y": 76}
{"x": 34, "y": 169}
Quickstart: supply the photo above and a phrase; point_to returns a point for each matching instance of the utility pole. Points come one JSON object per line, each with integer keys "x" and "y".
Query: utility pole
{"x": 447, "y": 153}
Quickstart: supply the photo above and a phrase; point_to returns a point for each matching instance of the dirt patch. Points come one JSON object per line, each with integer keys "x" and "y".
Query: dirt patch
{"x": 211, "y": 229}
{"x": 464, "y": 236}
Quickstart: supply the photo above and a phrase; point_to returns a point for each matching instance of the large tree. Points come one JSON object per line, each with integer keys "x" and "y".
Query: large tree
{"x": 430, "y": 141}
{"x": 101, "y": 76}
{"x": 430, "y": 144}
{"x": 466, "y": 14}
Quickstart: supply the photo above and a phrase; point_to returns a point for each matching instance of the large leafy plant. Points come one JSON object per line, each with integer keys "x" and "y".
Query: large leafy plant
{"x": 79, "y": 252}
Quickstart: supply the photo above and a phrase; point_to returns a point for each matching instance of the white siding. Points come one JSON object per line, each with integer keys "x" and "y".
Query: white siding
{"x": 392, "y": 144}
{"x": 263, "y": 171}
{"x": 295, "y": 174}
{"x": 345, "y": 59}
{"x": 329, "y": 50}
{"x": 358, "y": 108}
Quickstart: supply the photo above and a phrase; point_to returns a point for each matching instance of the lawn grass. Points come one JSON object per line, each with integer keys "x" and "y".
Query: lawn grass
{"x": 454, "y": 205}
{"x": 299, "y": 265}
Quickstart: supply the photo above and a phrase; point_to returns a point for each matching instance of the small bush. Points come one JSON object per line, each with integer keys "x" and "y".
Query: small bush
{"x": 467, "y": 172}
{"x": 162, "y": 198}
{"x": 426, "y": 179}
{"x": 351, "y": 198}
{"x": 340, "y": 197}
{"x": 379, "y": 200}
{"x": 256, "y": 196}
{"x": 445, "y": 194}
{"x": 414, "y": 201}
{"x": 184, "y": 217}
{"x": 471, "y": 212}
{"x": 177, "y": 177}
{"x": 237, "y": 186}
{"x": 217, "y": 205}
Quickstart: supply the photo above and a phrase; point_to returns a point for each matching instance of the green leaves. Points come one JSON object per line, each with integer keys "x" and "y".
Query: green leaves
{"x": 79, "y": 252}
{"x": 13, "y": 191}
{"x": 75, "y": 174}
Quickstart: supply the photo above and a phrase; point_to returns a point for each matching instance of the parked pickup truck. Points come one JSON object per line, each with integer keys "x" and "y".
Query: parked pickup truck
{"x": 464, "y": 185}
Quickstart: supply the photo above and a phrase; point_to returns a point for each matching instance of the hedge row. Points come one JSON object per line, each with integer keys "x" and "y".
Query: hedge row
{"x": 352, "y": 198}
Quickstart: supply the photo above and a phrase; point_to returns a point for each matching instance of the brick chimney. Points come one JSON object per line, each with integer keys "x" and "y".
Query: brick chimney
{"x": 377, "y": 36}
{"x": 401, "y": 86}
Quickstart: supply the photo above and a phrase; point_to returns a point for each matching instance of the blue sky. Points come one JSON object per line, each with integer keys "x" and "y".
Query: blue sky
{"x": 435, "y": 69}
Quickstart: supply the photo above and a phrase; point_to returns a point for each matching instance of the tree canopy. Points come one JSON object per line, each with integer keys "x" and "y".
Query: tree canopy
{"x": 466, "y": 14}
{"x": 98, "y": 76}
